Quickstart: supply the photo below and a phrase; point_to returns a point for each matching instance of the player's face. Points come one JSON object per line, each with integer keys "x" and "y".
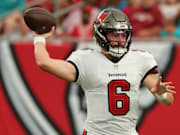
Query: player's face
{"x": 117, "y": 39}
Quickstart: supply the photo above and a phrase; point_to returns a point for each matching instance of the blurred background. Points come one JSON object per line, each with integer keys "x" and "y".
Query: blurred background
{"x": 33, "y": 102}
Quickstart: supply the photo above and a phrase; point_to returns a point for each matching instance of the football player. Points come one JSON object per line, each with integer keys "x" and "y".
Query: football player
{"x": 111, "y": 77}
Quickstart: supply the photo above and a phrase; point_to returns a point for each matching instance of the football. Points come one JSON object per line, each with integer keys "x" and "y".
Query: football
{"x": 39, "y": 20}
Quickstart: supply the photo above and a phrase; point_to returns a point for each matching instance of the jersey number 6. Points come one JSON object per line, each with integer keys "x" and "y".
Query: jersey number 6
{"x": 118, "y": 101}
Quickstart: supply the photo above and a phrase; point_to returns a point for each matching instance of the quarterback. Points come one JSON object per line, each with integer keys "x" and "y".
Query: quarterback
{"x": 111, "y": 77}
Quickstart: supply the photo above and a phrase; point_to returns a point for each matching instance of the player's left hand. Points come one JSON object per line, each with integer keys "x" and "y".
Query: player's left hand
{"x": 162, "y": 87}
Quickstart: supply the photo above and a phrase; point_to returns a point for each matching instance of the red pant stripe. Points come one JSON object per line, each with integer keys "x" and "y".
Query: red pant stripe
{"x": 84, "y": 132}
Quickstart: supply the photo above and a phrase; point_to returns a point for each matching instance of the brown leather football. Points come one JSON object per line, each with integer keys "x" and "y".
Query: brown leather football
{"x": 39, "y": 20}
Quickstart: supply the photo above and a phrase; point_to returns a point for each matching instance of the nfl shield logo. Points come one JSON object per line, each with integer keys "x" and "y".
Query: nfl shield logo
{"x": 115, "y": 66}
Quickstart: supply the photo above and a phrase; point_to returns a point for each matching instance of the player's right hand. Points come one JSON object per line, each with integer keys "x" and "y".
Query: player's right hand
{"x": 45, "y": 35}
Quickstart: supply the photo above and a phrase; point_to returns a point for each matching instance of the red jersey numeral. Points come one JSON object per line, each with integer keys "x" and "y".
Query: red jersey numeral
{"x": 118, "y": 102}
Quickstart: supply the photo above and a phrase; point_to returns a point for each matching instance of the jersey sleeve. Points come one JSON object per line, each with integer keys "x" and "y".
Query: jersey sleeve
{"x": 149, "y": 65}
{"x": 76, "y": 59}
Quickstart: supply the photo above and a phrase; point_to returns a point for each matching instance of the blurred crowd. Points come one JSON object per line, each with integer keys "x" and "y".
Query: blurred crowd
{"x": 149, "y": 18}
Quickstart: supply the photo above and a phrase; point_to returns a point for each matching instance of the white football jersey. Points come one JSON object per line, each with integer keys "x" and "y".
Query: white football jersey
{"x": 111, "y": 89}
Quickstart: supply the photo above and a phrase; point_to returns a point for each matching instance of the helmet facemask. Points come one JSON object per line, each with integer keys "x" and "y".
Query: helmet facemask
{"x": 118, "y": 42}
{"x": 113, "y": 21}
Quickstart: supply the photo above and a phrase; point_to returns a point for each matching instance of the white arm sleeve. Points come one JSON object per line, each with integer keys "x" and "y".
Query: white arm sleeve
{"x": 149, "y": 65}
{"x": 76, "y": 59}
